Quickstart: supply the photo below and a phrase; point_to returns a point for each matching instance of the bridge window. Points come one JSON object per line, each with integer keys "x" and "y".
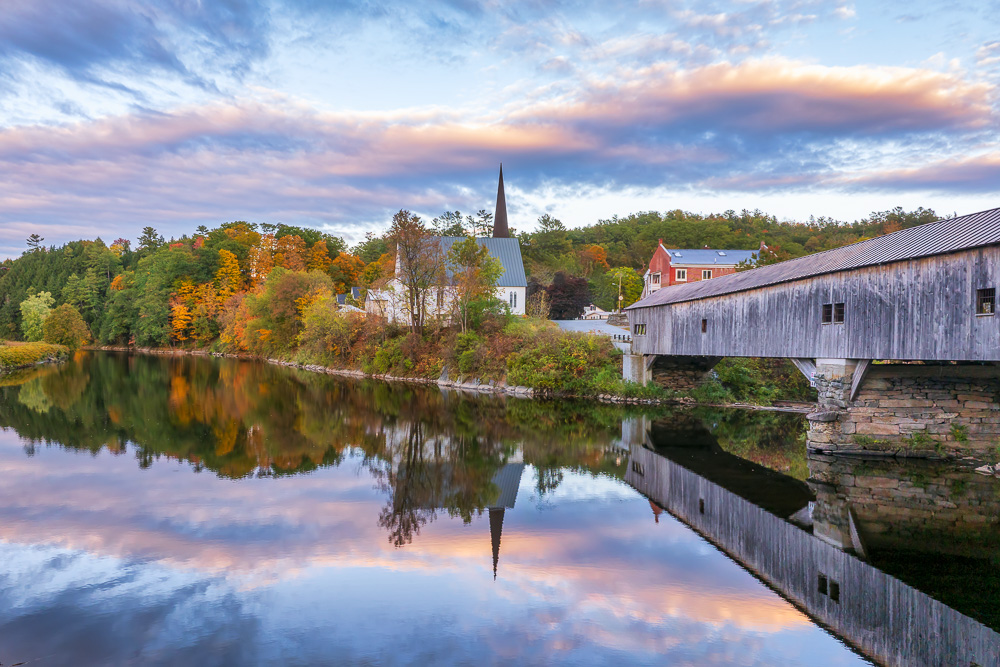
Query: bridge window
{"x": 822, "y": 586}
{"x": 706, "y": 274}
{"x": 639, "y": 329}
{"x": 704, "y": 326}
{"x": 701, "y": 505}
{"x": 682, "y": 274}
{"x": 833, "y": 313}
{"x": 986, "y": 301}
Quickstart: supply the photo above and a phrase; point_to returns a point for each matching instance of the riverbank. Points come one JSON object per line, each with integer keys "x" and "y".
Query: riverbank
{"x": 473, "y": 385}
{"x": 15, "y": 355}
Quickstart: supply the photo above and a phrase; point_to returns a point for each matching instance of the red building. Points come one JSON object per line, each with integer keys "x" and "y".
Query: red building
{"x": 670, "y": 266}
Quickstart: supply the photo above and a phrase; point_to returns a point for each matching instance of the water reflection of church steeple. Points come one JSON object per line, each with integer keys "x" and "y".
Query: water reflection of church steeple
{"x": 507, "y": 480}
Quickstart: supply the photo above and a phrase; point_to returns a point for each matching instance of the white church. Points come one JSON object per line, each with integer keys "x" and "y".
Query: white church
{"x": 511, "y": 287}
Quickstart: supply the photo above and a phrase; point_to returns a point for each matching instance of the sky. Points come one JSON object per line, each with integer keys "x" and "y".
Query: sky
{"x": 117, "y": 114}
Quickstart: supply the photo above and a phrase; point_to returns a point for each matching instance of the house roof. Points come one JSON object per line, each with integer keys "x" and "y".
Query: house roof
{"x": 355, "y": 294}
{"x": 706, "y": 256}
{"x": 934, "y": 238}
{"x": 508, "y": 251}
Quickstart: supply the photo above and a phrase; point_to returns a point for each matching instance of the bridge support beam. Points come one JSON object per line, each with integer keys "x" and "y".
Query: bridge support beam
{"x": 923, "y": 410}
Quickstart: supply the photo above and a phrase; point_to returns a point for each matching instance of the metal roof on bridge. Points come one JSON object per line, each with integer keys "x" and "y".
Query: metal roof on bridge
{"x": 934, "y": 238}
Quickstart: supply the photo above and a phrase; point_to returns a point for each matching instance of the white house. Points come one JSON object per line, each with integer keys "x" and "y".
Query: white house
{"x": 592, "y": 312}
{"x": 512, "y": 286}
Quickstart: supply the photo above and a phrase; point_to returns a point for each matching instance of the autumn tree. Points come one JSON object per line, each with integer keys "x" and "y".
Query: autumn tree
{"x": 290, "y": 253}
{"x": 65, "y": 326}
{"x": 474, "y": 275}
{"x": 418, "y": 264}
{"x": 319, "y": 257}
{"x": 346, "y": 272}
{"x": 593, "y": 259}
{"x": 228, "y": 279}
{"x": 261, "y": 257}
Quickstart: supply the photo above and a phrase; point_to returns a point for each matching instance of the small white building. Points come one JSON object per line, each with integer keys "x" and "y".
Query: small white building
{"x": 592, "y": 312}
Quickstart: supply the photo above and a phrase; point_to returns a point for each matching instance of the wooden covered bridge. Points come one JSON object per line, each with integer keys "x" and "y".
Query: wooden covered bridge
{"x": 922, "y": 299}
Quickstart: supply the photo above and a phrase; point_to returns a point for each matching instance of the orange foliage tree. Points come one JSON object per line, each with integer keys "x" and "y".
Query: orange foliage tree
{"x": 319, "y": 257}
{"x": 261, "y": 259}
{"x": 290, "y": 253}
{"x": 593, "y": 258}
{"x": 346, "y": 271}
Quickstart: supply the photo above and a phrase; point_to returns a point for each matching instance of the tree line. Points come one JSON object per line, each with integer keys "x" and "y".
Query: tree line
{"x": 252, "y": 286}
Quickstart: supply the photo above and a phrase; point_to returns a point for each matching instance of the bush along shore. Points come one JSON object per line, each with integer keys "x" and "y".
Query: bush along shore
{"x": 507, "y": 355}
{"x": 22, "y": 355}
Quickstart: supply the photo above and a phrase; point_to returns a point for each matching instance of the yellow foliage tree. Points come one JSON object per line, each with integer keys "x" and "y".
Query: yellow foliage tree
{"x": 180, "y": 320}
{"x": 319, "y": 257}
{"x": 228, "y": 279}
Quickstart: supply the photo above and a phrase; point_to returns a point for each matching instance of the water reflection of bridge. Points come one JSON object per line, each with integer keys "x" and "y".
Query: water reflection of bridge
{"x": 883, "y": 617}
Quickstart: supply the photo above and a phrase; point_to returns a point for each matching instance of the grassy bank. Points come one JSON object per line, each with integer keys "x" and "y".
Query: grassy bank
{"x": 20, "y": 355}
{"x": 522, "y": 352}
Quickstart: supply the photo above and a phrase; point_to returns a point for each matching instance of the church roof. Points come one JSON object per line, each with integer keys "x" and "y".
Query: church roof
{"x": 507, "y": 250}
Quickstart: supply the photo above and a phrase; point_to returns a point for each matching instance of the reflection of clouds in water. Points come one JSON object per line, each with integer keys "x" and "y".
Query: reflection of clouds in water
{"x": 166, "y": 565}
{"x": 99, "y": 610}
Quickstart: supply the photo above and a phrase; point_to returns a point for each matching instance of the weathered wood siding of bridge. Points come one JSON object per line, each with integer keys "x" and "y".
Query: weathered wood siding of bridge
{"x": 919, "y": 309}
{"x": 887, "y": 620}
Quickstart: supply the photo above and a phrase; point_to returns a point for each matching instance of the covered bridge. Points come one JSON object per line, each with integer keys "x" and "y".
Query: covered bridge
{"x": 923, "y": 294}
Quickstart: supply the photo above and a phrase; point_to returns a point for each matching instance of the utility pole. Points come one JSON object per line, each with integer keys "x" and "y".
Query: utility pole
{"x": 620, "y": 297}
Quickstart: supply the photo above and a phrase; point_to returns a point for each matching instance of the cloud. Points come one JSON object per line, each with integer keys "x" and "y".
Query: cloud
{"x": 108, "y": 41}
{"x": 979, "y": 174}
{"x": 772, "y": 123}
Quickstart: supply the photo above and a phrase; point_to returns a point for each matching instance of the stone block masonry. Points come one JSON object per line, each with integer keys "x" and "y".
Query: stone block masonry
{"x": 911, "y": 410}
{"x": 681, "y": 374}
{"x": 921, "y": 506}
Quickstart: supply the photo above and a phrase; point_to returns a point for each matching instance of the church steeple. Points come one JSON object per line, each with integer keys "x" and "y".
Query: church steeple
{"x": 500, "y": 230}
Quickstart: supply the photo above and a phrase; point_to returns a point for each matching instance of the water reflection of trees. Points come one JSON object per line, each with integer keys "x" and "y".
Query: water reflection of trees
{"x": 429, "y": 450}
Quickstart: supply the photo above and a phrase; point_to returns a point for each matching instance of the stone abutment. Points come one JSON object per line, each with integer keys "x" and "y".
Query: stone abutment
{"x": 904, "y": 409}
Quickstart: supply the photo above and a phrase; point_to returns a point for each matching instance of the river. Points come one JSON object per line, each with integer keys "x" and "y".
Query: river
{"x": 200, "y": 511}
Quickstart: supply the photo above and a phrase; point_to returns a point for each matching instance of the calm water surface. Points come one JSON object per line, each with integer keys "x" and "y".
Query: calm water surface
{"x": 195, "y": 511}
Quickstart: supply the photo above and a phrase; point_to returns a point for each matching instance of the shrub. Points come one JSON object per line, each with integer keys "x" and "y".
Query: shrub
{"x": 13, "y": 356}
{"x": 562, "y": 362}
{"x": 65, "y": 326}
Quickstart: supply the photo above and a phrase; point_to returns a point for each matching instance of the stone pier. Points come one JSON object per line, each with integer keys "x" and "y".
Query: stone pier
{"x": 925, "y": 410}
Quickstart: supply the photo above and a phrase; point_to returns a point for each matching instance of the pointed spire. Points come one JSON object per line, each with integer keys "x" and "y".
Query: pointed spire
{"x": 496, "y": 529}
{"x": 500, "y": 230}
